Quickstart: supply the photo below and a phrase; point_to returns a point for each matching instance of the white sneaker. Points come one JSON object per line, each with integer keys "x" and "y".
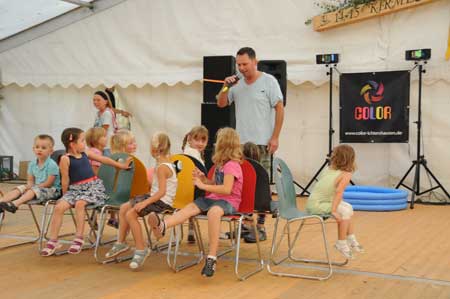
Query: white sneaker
{"x": 344, "y": 250}
{"x": 355, "y": 246}
{"x": 139, "y": 259}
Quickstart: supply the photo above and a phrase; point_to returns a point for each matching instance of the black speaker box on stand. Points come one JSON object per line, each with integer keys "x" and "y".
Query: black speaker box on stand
{"x": 215, "y": 118}
{"x": 276, "y": 68}
{"x": 216, "y": 68}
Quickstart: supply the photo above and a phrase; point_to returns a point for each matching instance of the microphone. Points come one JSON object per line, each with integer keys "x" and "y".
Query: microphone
{"x": 238, "y": 77}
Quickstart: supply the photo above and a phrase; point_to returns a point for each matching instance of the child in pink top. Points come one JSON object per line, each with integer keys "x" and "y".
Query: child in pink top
{"x": 96, "y": 142}
{"x": 224, "y": 196}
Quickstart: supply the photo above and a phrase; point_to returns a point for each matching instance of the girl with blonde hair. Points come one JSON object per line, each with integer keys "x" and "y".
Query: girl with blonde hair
{"x": 123, "y": 141}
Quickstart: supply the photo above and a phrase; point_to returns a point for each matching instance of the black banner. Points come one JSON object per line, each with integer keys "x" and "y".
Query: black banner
{"x": 374, "y": 107}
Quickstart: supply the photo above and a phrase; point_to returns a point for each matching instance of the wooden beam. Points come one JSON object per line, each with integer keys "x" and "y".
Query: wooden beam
{"x": 363, "y": 12}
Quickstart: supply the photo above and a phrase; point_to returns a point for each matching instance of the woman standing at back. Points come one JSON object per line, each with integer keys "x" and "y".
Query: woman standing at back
{"x": 105, "y": 117}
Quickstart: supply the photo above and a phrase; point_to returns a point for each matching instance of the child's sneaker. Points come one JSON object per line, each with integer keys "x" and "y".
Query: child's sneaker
{"x": 224, "y": 236}
{"x": 344, "y": 249}
{"x": 251, "y": 236}
{"x": 8, "y": 206}
{"x": 355, "y": 246}
{"x": 117, "y": 249}
{"x": 210, "y": 267}
{"x": 139, "y": 258}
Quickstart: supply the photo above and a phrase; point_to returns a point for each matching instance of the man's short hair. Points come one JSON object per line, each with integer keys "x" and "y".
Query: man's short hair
{"x": 247, "y": 50}
{"x": 45, "y": 137}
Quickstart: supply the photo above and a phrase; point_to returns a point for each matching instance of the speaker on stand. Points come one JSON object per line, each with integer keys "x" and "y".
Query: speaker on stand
{"x": 215, "y": 69}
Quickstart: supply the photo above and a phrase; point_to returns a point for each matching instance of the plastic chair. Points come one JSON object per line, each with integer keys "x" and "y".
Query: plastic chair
{"x": 118, "y": 184}
{"x": 186, "y": 193}
{"x": 263, "y": 195}
{"x": 289, "y": 212}
{"x": 246, "y": 207}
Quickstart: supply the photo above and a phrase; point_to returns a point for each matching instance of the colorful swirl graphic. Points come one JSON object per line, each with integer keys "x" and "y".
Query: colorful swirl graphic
{"x": 372, "y": 92}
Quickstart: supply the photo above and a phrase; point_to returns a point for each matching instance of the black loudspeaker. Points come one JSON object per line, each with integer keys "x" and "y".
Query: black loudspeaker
{"x": 214, "y": 118}
{"x": 276, "y": 68}
{"x": 216, "y": 68}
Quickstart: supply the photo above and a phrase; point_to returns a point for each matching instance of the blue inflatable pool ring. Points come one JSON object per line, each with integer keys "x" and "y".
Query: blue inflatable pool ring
{"x": 371, "y": 198}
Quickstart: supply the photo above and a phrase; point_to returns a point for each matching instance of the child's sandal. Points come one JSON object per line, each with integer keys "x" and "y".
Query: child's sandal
{"x": 50, "y": 248}
{"x": 155, "y": 223}
{"x": 76, "y": 246}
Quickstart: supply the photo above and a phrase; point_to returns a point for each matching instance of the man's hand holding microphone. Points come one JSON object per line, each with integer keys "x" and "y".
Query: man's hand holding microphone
{"x": 230, "y": 81}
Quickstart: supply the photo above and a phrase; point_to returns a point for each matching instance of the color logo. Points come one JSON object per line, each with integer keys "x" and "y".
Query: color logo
{"x": 372, "y": 92}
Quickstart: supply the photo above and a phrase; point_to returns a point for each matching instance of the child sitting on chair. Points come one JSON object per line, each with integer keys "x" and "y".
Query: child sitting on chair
{"x": 326, "y": 198}
{"x": 80, "y": 187}
{"x": 160, "y": 199}
{"x": 225, "y": 190}
{"x": 96, "y": 142}
{"x": 43, "y": 181}
{"x": 194, "y": 144}
{"x": 123, "y": 141}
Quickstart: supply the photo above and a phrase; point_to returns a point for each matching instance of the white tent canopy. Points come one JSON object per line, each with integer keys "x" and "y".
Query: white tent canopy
{"x": 153, "y": 50}
{"x": 153, "y": 42}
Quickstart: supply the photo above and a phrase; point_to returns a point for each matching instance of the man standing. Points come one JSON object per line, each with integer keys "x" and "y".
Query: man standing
{"x": 259, "y": 112}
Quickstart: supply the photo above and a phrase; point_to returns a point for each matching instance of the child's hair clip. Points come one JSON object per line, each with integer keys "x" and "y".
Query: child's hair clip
{"x": 70, "y": 137}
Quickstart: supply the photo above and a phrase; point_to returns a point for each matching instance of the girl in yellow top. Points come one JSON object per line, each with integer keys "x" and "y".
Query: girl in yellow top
{"x": 326, "y": 198}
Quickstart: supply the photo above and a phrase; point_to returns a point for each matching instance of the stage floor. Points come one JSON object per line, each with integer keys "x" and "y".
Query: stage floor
{"x": 407, "y": 256}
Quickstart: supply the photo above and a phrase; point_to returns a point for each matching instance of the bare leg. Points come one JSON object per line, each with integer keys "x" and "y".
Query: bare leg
{"x": 136, "y": 230}
{"x": 214, "y": 215}
{"x": 343, "y": 229}
{"x": 27, "y": 196}
{"x": 80, "y": 215}
{"x": 11, "y": 195}
{"x": 123, "y": 222}
{"x": 351, "y": 227}
{"x": 182, "y": 215}
{"x": 58, "y": 215}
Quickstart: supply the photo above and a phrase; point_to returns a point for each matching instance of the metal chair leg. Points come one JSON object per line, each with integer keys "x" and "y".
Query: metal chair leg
{"x": 259, "y": 261}
{"x": 26, "y": 239}
{"x": 175, "y": 238}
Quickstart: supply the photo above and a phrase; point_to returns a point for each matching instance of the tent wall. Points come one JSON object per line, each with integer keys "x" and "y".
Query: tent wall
{"x": 28, "y": 111}
{"x": 153, "y": 50}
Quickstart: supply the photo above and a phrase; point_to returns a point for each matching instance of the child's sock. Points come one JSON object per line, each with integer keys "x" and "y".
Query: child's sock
{"x": 351, "y": 238}
{"x": 341, "y": 243}
{"x": 212, "y": 257}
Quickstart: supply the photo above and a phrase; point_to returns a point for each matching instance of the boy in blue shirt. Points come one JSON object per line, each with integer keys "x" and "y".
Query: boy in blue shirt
{"x": 43, "y": 181}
